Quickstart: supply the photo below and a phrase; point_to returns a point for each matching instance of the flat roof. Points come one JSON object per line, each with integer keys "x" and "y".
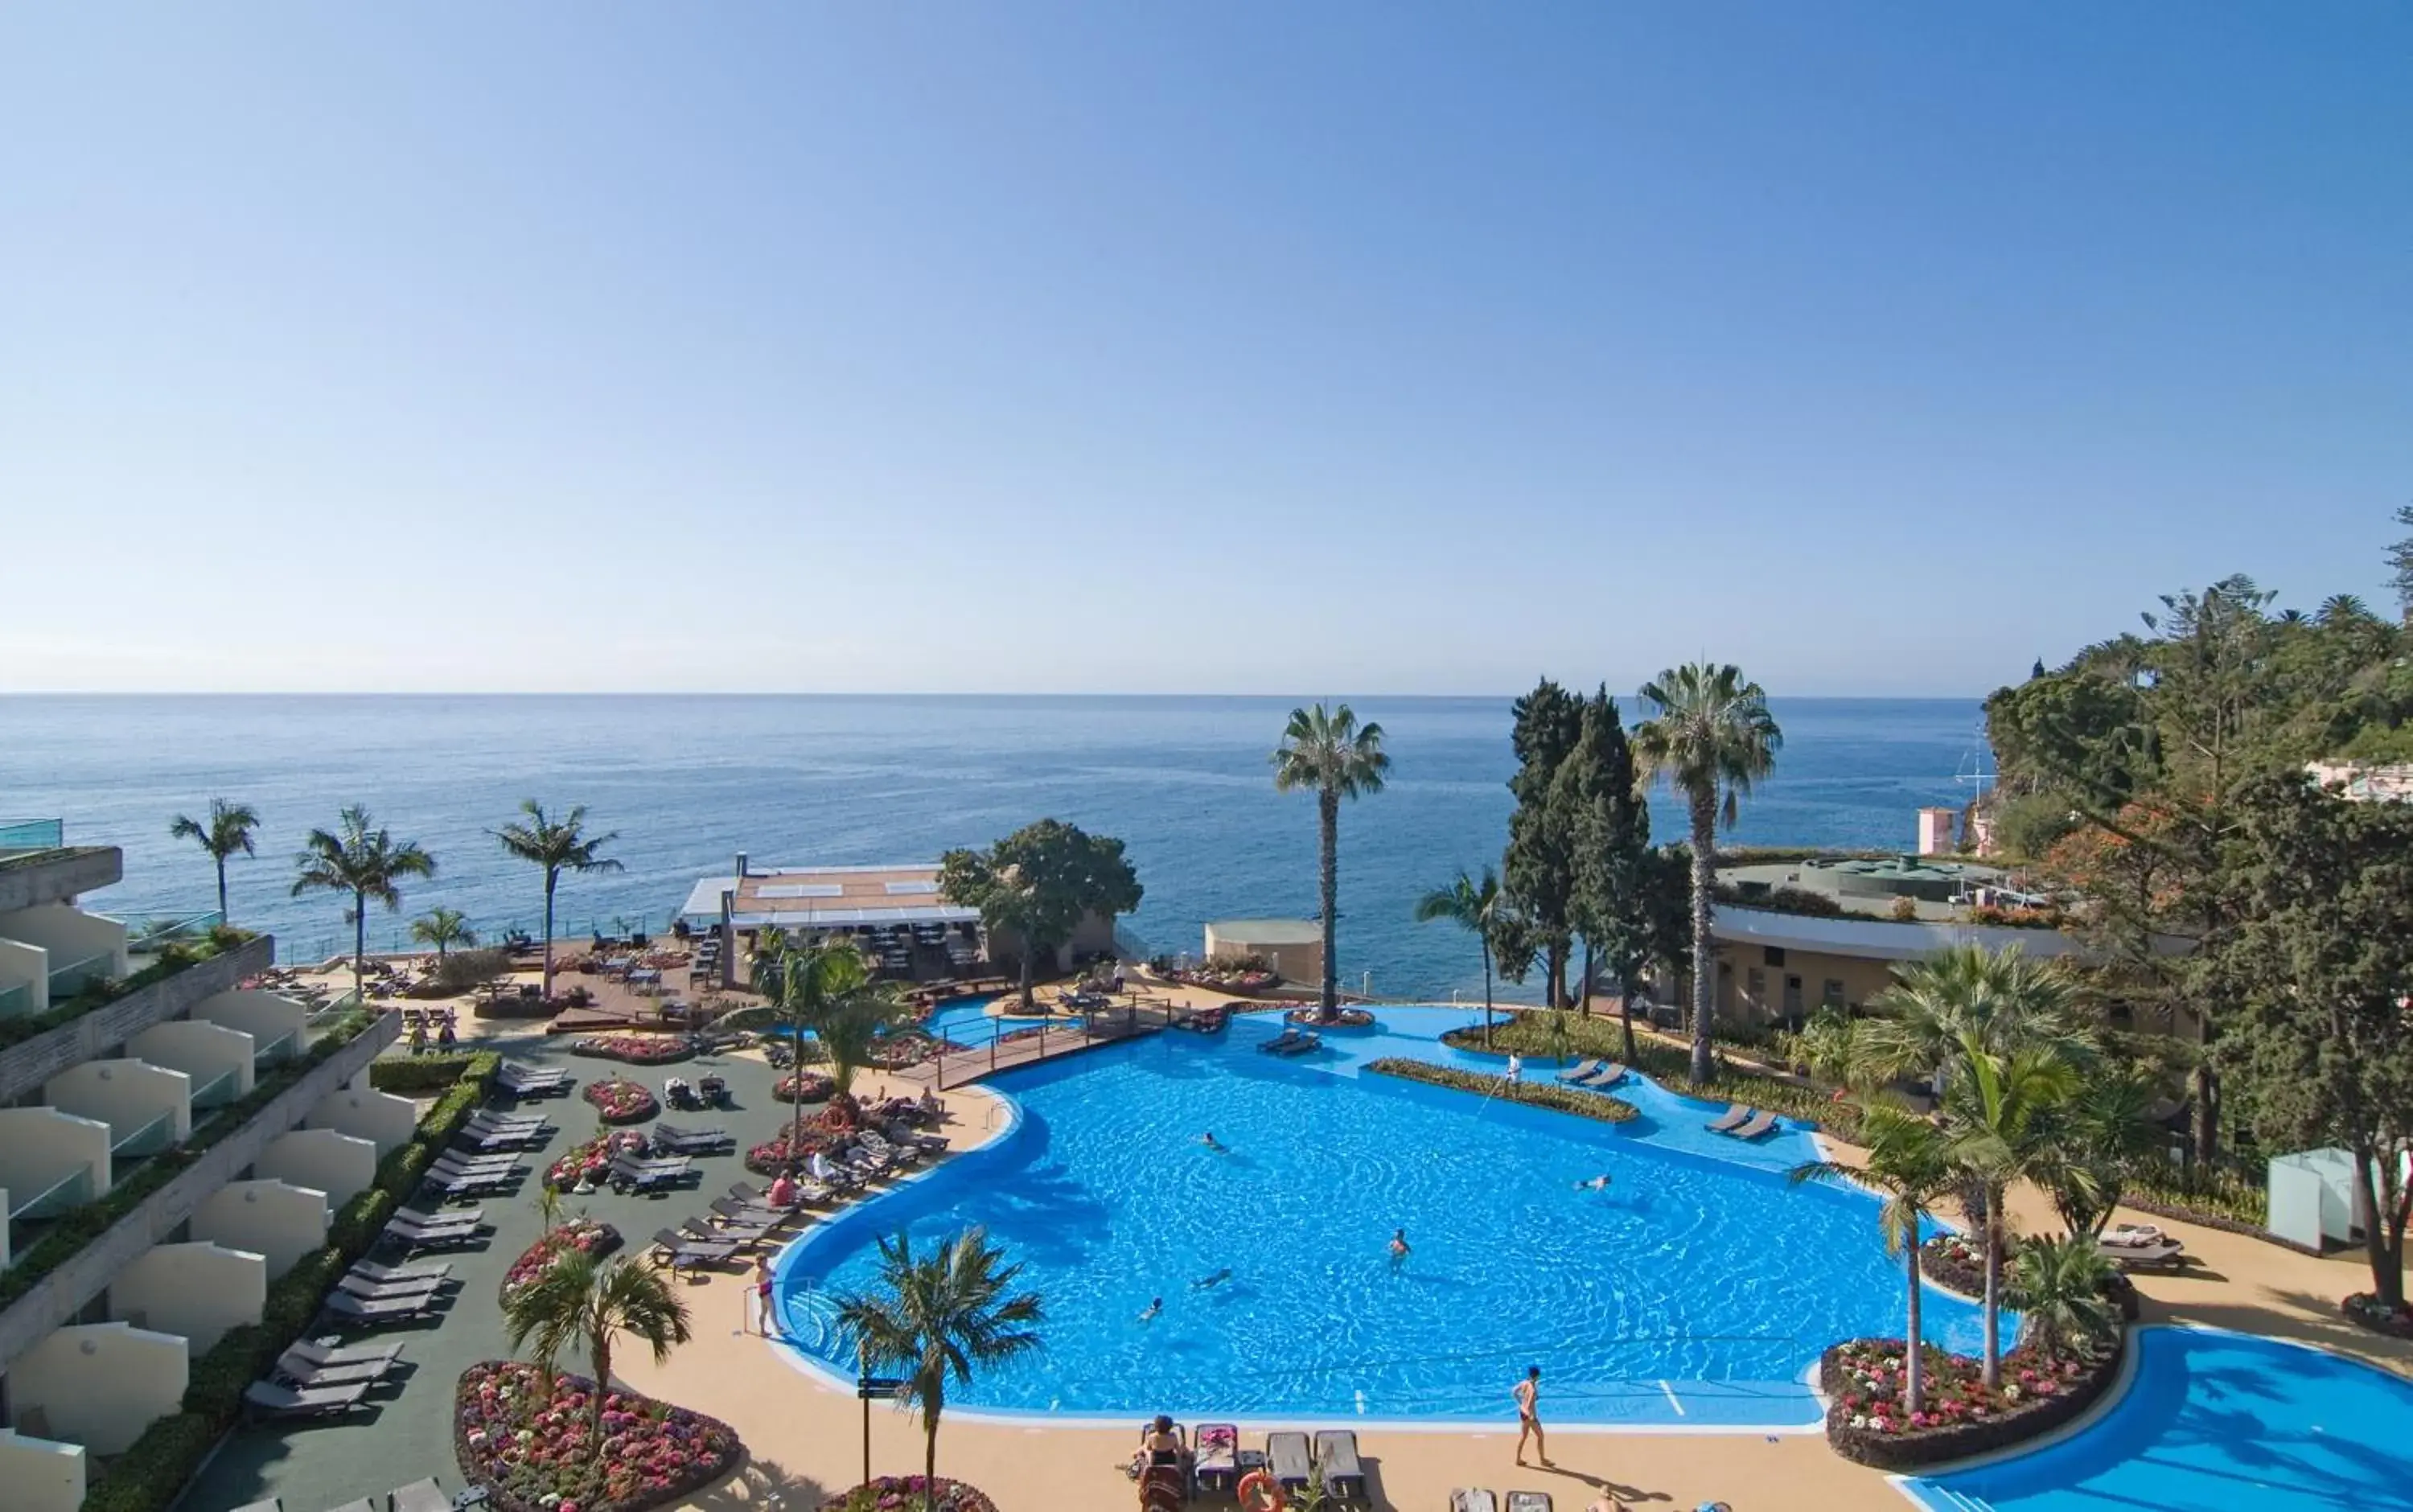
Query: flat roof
{"x": 827, "y": 898}
{"x": 1271, "y": 931}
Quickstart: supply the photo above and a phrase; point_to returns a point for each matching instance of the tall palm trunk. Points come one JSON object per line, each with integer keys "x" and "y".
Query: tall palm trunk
{"x": 1913, "y": 1379}
{"x": 602, "y": 1386}
{"x": 1705, "y": 973}
{"x": 1486, "y": 992}
{"x": 222, "y": 906}
{"x": 1587, "y": 979}
{"x": 1327, "y": 813}
{"x": 1029, "y": 951}
{"x": 1993, "y": 1285}
{"x": 796, "y": 1127}
{"x": 359, "y": 942}
{"x": 550, "y": 879}
{"x": 930, "y": 1402}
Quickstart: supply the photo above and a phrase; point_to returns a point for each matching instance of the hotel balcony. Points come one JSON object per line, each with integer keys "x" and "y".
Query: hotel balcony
{"x": 28, "y": 1062}
{"x": 52, "y": 1162}
{"x": 278, "y": 1025}
{"x": 51, "y": 952}
{"x": 98, "y": 1384}
{"x": 42, "y": 1475}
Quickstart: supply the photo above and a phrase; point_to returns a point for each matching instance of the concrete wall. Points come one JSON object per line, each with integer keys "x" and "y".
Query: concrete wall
{"x": 59, "y": 875}
{"x": 199, "y": 1050}
{"x": 125, "y": 1094}
{"x": 26, "y": 966}
{"x": 198, "y": 1290}
{"x": 41, "y": 1147}
{"x": 26, "y": 1066}
{"x": 382, "y": 1118}
{"x": 1292, "y": 960}
{"x": 42, "y": 1476}
{"x": 68, "y": 933}
{"x": 61, "y": 1296}
{"x": 336, "y": 1164}
{"x": 1860, "y": 979}
{"x": 273, "y": 1220}
{"x": 100, "y": 1384}
{"x": 263, "y": 1016}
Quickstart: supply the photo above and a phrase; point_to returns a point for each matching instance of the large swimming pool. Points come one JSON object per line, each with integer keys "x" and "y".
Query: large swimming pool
{"x": 2212, "y": 1421}
{"x": 1698, "y": 1290}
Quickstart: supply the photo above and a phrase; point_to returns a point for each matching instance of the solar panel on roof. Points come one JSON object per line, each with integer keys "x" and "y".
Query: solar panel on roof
{"x": 800, "y": 890}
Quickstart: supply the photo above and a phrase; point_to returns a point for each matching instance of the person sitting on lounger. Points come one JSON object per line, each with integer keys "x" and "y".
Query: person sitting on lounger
{"x": 1155, "y": 1306}
{"x": 1216, "y": 1280}
{"x": 783, "y": 1191}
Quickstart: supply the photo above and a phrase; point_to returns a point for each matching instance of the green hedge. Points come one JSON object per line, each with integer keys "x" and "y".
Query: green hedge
{"x": 73, "y": 1230}
{"x": 153, "y": 1470}
{"x": 1529, "y": 1034}
{"x": 408, "y": 1074}
{"x": 1547, "y": 1094}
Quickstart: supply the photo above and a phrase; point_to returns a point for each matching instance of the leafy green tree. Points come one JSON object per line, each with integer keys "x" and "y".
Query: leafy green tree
{"x": 224, "y": 833}
{"x": 362, "y": 858}
{"x": 443, "y": 928}
{"x": 1909, "y": 1165}
{"x": 2101, "y": 1135}
{"x": 2400, "y": 564}
{"x": 1997, "y": 1118}
{"x": 1038, "y": 884}
{"x": 2057, "y": 1284}
{"x": 2321, "y": 969}
{"x": 1324, "y": 751}
{"x": 1541, "y": 861}
{"x": 557, "y": 845}
{"x": 582, "y": 1303}
{"x": 1474, "y": 907}
{"x": 1712, "y": 738}
{"x": 1668, "y": 889}
{"x": 823, "y": 987}
{"x": 941, "y": 1317}
{"x": 1599, "y": 792}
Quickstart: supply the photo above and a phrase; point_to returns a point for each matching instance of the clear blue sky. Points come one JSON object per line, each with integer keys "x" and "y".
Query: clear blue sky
{"x": 1154, "y": 347}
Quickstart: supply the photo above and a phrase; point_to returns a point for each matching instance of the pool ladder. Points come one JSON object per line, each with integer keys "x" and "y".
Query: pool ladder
{"x": 1957, "y": 1501}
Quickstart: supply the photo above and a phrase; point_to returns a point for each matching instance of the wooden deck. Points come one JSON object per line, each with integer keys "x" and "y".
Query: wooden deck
{"x": 1051, "y": 1042}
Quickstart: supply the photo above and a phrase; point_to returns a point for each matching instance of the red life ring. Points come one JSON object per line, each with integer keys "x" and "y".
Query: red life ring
{"x": 1259, "y": 1481}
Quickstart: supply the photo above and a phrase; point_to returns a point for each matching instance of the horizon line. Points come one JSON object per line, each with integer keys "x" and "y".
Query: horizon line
{"x": 761, "y": 694}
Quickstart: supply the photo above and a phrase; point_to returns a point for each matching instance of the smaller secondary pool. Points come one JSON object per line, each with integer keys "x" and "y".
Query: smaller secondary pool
{"x": 965, "y": 1020}
{"x": 2210, "y": 1422}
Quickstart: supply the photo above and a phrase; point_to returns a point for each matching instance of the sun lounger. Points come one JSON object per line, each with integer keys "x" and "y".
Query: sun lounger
{"x": 473, "y": 1142}
{"x": 1217, "y": 1465}
{"x": 748, "y": 1215}
{"x": 310, "y": 1354}
{"x": 1607, "y": 1075}
{"x": 1336, "y": 1455}
{"x": 473, "y": 1183}
{"x": 379, "y": 1291}
{"x": 1734, "y": 1118}
{"x": 269, "y": 1399}
{"x": 1579, "y": 1073}
{"x": 523, "y": 1070}
{"x": 1472, "y": 1499}
{"x": 648, "y": 1175}
{"x": 745, "y": 1236}
{"x": 411, "y": 1237}
{"x": 428, "y": 1271}
{"x": 687, "y": 1253}
{"x": 1287, "y": 1457}
{"x": 345, "y": 1308}
{"x": 462, "y": 1163}
{"x": 1529, "y": 1502}
{"x": 315, "y": 1377}
{"x": 693, "y": 1141}
{"x": 419, "y": 1496}
{"x": 2170, "y": 1254}
{"x": 430, "y": 1216}
{"x": 1761, "y": 1124}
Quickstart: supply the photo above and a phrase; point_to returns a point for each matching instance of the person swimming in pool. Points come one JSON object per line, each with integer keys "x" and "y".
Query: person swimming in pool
{"x": 1399, "y": 1247}
{"x": 1216, "y": 1280}
{"x": 1147, "y": 1313}
{"x": 1598, "y": 1184}
{"x": 1212, "y": 1142}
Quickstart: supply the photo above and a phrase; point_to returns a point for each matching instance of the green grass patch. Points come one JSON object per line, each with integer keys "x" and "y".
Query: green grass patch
{"x": 1595, "y": 1106}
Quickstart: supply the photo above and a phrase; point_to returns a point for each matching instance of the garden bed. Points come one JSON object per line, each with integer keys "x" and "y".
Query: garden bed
{"x": 636, "y": 1049}
{"x": 1863, "y": 1380}
{"x": 531, "y": 1451}
{"x": 585, "y": 1235}
{"x": 1954, "y": 1262}
{"x": 618, "y": 1101}
{"x": 1311, "y": 1018}
{"x": 2366, "y": 1309}
{"x": 1597, "y": 1105}
{"x": 591, "y": 1160}
{"x": 905, "y": 1493}
{"x": 804, "y": 1087}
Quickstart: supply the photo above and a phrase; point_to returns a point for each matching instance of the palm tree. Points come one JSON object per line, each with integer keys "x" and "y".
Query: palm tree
{"x": 579, "y": 1302}
{"x": 1473, "y": 906}
{"x": 1712, "y": 738}
{"x": 941, "y": 1317}
{"x": 226, "y": 831}
{"x": 443, "y": 927}
{"x": 557, "y": 846}
{"x": 365, "y": 862}
{"x": 1998, "y": 1128}
{"x": 2002, "y": 999}
{"x": 823, "y": 987}
{"x": 2099, "y": 1135}
{"x": 2057, "y": 1284}
{"x": 1909, "y": 1165}
{"x": 1324, "y": 751}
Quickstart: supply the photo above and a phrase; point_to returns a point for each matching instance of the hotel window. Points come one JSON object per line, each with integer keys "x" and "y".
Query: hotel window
{"x": 1771, "y": 954}
{"x": 1833, "y": 995}
{"x": 1756, "y": 985}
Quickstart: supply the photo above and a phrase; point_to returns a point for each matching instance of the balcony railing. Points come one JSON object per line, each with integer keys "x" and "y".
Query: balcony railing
{"x": 284, "y": 1047}
{"x": 162, "y": 931}
{"x": 72, "y": 1190}
{"x": 149, "y": 1139}
{"x": 32, "y": 834}
{"x": 68, "y": 980}
{"x": 215, "y": 1092}
{"x": 17, "y": 1002}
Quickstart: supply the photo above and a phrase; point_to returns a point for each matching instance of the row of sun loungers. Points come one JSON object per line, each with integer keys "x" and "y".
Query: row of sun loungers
{"x": 520, "y": 1080}
{"x": 1477, "y": 1499}
{"x": 1216, "y": 1463}
{"x": 1594, "y": 1074}
{"x": 1741, "y": 1122}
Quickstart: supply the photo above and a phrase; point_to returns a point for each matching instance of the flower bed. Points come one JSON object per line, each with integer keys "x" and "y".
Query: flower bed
{"x": 1959, "y": 1417}
{"x": 1598, "y": 1105}
{"x": 804, "y": 1087}
{"x": 534, "y": 1452}
{"x": 1954, "y": 1262}
{"x": 2365, "y": 1308}
{"x": 587, "y": 1236}
{"x": 1311, "y": 1018}
{"x": 904, "y": 1048}
{"x": 773, "y": 1155}
{"x": 636, "y": 1049}
{"x": 904, "y": 1493}
{"x": 591, "y": 1161}
{"x": 621, "y": 1101}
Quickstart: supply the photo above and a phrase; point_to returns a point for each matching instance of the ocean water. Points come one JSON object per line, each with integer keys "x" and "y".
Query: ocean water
{"x": 1699, "y": 1289}
{"x": 688, "y": 781}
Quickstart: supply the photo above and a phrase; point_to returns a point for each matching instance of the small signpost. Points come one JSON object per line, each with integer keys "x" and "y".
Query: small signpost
{"x": 873, "y": 1388}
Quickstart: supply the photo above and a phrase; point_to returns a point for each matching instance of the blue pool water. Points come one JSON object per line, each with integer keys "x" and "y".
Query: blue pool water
{"x": 2214, "y": 1421}
{"x": 1700, "y": 1288}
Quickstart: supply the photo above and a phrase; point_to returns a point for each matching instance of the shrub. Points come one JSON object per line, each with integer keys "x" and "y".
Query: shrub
{"x": 462, "y": 970}
{"x": 418, "y": 1072}
{"x": 1529, "y": 1034}
{"x": 152, "y": 1471}
{"x": 1905, "y": 910}
{"x": 1547, "y": 1094}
